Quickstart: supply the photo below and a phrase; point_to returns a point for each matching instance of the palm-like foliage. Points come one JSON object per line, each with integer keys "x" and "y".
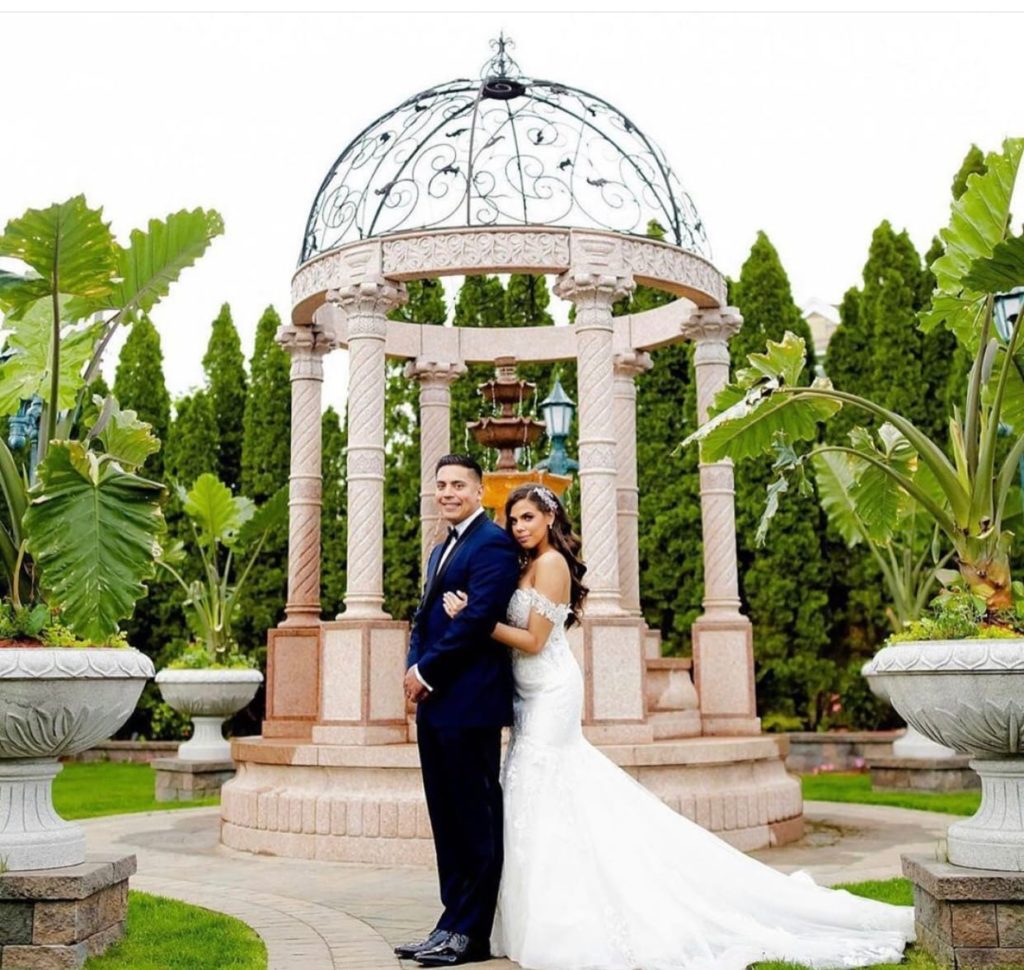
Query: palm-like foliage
{"x": 965, "y": 495}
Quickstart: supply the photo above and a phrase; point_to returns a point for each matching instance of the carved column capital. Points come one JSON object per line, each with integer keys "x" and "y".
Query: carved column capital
{"x": 306, "y": 345}
{"x": 631, "y": 363}
{"x": 428, "y": 371}
{"x": 712, "y": 326}
{"x": 593, "y": 293}
{"x": 366, "y": 304}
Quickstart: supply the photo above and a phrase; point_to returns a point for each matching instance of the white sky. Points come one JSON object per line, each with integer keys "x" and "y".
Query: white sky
{"x": 813, "y": 127}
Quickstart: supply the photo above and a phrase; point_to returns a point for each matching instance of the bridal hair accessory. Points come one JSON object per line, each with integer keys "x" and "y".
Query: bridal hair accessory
{"x": 546, "y": 496}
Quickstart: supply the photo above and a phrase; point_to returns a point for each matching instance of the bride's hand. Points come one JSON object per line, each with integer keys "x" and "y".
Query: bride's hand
{"x": 455, "y": 603}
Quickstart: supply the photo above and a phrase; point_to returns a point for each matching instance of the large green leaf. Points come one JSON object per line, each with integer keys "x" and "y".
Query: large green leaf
{"x": 154, "y": 260}
{"x": 218, "y": 514}
{"x": 68, "y": 245}
{"x": 273, "y": 512}
{"x": 127, "y": 440}
{"x": 880, "y": 499}
{"x": 835, "y": 475}
{"x": 1001, "y": 271}
{"x": 93, "y": 531}
{"x": 751, "y": 425}
{"x": 749, "y": 415}
{"x": 978, "y": 223}
{"x": 27, "y": 371}
{"x": 16, "y": 290}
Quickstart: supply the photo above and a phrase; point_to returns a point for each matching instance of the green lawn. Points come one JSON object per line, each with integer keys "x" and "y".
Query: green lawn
{"x": 838, "y": 787}
{"x": 84, "y": 790}
{"x": 896, "y": 891}
{"x": 164, "y": 934}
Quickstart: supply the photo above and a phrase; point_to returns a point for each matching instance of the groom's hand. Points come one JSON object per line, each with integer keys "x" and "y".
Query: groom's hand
{"x": 414, "y": 690}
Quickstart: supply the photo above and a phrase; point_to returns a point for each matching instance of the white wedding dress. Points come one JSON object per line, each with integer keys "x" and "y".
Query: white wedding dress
{"x": 599, "y": 874}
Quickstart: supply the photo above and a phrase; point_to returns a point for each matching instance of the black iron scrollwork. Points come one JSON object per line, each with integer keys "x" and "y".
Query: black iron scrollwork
{"x": 502, "y": 150}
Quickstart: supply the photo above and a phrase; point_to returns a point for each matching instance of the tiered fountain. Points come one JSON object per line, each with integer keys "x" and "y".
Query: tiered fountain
{"x": 508, "y": 430}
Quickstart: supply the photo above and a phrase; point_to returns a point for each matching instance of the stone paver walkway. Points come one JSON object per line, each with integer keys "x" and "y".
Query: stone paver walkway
{"x": 330, "y": 916}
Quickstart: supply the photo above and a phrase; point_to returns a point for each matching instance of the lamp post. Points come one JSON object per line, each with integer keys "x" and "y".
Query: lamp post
{"x": 1006, "y": 308}
{"x": 557, "y": 410}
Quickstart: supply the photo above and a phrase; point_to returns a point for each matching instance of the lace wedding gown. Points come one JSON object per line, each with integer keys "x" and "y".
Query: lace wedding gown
{"x": 599, "y": 874}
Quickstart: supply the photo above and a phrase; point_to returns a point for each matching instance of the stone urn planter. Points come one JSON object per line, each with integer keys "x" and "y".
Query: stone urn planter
{"x": 209, "y": 697}
{"x": 969, "y": 695}
{"x": 55, "y": 701}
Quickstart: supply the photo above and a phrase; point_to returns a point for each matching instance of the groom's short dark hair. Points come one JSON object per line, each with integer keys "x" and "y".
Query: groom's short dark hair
{"x": 463, "y": 461}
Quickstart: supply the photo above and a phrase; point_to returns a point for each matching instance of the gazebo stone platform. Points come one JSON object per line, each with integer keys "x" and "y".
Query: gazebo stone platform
{"x": 335, "y": 765}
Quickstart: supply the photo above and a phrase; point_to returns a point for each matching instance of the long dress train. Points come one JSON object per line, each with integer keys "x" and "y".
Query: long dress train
{"x": 599, "y": 874}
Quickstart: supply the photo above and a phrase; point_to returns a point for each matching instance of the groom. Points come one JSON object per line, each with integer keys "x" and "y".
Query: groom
{"x": 461, "y": 681}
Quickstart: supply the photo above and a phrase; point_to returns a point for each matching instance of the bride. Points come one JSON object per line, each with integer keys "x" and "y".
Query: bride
{"x": 599, "y": 874}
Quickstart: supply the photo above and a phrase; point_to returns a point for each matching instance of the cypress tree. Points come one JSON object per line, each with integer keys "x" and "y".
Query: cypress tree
{"x": 224, "y": 365}
{"x": 333, "y": 522}
{"x": 139, "y": 384}
{"x": 266, "y": 446}
{"x": 889, "y": 303}
{"x": 265, "y": 453}
{"x": 784, "y": 583}
{"x": 193, "y": 439}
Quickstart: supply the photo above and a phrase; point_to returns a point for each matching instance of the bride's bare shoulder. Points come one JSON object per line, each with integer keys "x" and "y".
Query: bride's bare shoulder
{"x": 551, "y": 563}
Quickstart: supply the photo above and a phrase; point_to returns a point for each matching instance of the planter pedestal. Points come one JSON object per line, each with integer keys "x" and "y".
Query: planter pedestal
{"x": 180, "y": 780}
{"x": 34, "y": 835}
{"x": 967, "y": 918}
{"x": 993, "y": 838}
{"x": 892, "y": 773}
{"x": 61, "y": 917}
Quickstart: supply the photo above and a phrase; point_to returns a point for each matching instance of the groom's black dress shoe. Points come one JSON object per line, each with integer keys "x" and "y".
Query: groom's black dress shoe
{"x": 436, "y": 939}
{"x": 456, "y": 950}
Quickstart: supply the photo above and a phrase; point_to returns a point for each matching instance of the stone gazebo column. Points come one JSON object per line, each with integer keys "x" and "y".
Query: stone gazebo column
{"x": 366, "y": 304}
{"x": 363, "y": 656}
{"x": 436, "y": 378}
{"x": 722, "y": 638}
{"x": 294, "y": 647}
{"x": 612, "y": 640}
{"x": 627, "y": 366}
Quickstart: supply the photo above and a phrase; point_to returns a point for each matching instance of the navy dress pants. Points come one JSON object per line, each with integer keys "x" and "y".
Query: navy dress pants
{"x": 461, "y": 780}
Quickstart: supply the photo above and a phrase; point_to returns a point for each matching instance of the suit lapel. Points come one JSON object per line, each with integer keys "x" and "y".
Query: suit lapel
{"x": 435, "y": 580}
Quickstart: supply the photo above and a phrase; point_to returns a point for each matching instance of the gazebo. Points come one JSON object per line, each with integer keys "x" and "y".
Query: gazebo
{"x": 502, "y": 174}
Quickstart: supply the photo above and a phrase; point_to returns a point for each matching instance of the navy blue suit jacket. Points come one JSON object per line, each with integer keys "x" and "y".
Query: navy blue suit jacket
{"x": 469, "y": 671}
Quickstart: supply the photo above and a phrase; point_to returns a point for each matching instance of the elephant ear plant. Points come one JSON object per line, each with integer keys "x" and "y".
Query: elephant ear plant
{"x": 228, "y": 533}
{"x": 79, "y": 533}
{"x": 80, "y": 525}
{"x": 894, "y": 466}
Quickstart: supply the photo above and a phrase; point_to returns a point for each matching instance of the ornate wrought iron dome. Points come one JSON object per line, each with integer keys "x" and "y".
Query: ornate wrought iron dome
{"x": 504, "y": 150}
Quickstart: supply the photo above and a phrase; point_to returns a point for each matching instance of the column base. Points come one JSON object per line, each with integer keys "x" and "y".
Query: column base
{"x": 723, "y": 662}
{"x": 610, "y": 651}
{"x": 362, "y": 699}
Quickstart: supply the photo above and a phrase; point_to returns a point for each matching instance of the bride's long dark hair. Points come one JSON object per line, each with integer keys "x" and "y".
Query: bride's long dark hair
{"x": 561, "y": 536}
